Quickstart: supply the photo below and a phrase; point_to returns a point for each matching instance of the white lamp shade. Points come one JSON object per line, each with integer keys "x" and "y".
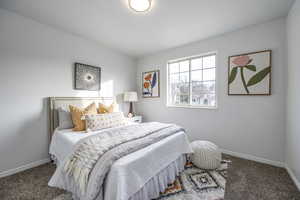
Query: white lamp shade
{"x": 130, "y": 96}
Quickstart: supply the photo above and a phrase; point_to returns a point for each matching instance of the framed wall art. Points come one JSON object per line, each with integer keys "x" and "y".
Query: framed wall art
{"x": 87, "y": 77}
{"x": 250, "y": 73}
{"x": 150, "y": 84}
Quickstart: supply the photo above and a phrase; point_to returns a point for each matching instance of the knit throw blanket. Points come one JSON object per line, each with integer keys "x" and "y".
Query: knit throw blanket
{"x": 126, "y": 139}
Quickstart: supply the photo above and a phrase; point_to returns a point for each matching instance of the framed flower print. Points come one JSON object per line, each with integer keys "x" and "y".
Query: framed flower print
{"x": 150, "y": 84}
{"x": 250, "y": 73}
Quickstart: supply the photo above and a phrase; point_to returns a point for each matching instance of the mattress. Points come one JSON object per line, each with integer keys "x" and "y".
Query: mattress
{"x": 130, "y": 173}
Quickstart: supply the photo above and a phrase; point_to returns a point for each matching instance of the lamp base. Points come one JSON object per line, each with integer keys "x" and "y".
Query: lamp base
{"x": 130, "y": 113}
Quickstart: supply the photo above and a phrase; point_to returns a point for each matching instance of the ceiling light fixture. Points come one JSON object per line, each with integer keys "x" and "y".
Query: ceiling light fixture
{"x": 140, "y": 5}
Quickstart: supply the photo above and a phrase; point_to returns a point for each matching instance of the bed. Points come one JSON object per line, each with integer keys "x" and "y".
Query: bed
{"x": 142, "y": 174}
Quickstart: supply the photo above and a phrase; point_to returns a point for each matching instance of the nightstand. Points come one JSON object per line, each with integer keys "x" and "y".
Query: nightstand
{"x": 136, "y": 119}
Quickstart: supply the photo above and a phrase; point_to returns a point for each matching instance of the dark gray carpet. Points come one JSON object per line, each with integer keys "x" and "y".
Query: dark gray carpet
{"x": 247, "y": 180}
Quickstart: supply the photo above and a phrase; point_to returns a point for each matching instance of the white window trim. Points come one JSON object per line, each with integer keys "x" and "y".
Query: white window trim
{"x": 189, "y": 106}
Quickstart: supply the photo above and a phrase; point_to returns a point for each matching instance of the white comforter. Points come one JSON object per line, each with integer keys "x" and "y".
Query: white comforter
{"x": 130, "y": 173}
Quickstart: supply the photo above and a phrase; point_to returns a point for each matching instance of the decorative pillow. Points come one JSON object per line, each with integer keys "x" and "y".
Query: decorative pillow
{"x": 106, "y": 109}
{"x": 78, "y": 113}
{"x": 102, "y": 121}
{"x": 64, "y": 119}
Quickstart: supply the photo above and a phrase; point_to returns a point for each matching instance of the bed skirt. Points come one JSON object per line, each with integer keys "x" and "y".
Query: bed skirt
{"x": 159, "y": 183}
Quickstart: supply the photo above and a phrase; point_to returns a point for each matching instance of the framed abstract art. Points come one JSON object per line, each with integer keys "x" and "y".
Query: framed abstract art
{"x": 250, "y": 73}
{"x": 150, "y": 84}
{"x": 87, "y": 77}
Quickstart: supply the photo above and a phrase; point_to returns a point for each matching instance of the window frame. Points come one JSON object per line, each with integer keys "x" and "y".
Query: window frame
{"x": 189, "y": 58}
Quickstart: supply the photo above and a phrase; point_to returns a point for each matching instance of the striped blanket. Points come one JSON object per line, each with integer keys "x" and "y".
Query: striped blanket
{"x": 106, "y": 147}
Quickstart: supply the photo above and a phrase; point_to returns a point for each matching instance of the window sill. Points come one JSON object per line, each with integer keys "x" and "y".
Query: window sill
{"x": 193, "y": 107}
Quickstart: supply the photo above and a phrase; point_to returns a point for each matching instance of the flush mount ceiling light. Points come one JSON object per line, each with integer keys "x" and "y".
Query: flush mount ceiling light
{"x": 140, "y": 5}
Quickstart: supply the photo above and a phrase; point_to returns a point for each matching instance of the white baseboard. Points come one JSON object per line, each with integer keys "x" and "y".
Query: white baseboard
{"x": 293, "y": 176}
{"x": 254, "y": 158}
{"x": 23, "y": 167}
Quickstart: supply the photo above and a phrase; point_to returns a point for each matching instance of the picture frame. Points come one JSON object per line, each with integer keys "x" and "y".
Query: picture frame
{"x": 250, "y": 73}
{"x": 87, "y": 77}
{"x": 151, "y": 84}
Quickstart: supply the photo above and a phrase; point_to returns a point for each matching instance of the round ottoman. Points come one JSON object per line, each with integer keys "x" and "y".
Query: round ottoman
{"x": 206, "y": 155}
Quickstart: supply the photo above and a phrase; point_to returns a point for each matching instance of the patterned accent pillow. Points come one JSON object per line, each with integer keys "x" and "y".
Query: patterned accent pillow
{"x": 102, "y": 121}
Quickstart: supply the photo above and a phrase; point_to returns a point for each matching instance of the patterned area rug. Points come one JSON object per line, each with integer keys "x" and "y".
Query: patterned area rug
{"x": 198, "y": 184}
{"x": 192, "y": 184}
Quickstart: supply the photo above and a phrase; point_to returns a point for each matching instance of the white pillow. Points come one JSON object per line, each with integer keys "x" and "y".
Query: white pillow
{"x": 102, "y": 121}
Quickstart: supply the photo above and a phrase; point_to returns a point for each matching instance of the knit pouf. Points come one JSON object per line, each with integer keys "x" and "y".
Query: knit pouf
{"x": 206, "y": 155}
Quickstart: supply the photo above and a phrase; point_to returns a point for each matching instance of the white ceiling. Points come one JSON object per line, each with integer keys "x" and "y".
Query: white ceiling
{"x": 169, "y": 24}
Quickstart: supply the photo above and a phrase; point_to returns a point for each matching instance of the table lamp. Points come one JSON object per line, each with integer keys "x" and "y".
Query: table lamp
{"x": 130, "y": 97}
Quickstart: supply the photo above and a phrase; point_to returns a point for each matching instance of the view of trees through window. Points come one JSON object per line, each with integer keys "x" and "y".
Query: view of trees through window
{"x": 192, "y": 81}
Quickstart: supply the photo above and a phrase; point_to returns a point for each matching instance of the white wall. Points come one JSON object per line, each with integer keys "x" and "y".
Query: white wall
{"x": 293, "y": 97}
{"x": 36, "y": 61}
{"x": 253, "y": 125}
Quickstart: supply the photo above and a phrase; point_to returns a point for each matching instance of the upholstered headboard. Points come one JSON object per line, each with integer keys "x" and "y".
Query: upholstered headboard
{"x": 64, "y": 102}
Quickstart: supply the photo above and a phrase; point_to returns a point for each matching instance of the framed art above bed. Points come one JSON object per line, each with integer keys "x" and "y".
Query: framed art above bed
{"x": 87, "y": 77}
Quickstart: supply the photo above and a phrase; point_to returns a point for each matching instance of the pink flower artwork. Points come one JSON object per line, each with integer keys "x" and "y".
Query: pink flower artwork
{"x": 241, "y": 60}
{"x": 252, "y": 69}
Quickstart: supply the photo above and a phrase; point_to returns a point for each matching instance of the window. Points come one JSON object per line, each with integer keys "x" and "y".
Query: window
{"x": 192, "y": 82}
